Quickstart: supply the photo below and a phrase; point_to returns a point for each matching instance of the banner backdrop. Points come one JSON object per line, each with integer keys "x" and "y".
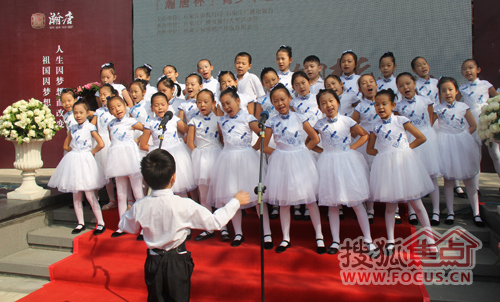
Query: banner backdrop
{"x": 181, "y": 32}
{"x": 50, "y": 45}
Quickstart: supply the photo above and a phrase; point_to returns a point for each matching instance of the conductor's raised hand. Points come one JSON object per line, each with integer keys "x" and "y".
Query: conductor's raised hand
{"x": 243, "y": 197}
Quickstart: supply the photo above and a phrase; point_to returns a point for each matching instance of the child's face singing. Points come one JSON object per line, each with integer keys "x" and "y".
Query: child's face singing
{"x": 347, "y": 64}
{"x": 192, "y": 87}
{"x": 205, "y": 103}
{"x": 169, "y": 92}
{"x": 387, "y": 67}
{"x": 170, "y": 73}
{"x": 406, "y": 86}
{"x": 384, "y": 106}
{"x": 103, "y": 94}
{"x": 329, "y": 105}
{"x": 242, "y": 65}
{"x": 230, "y": 105}
{"x": 107, "y": 76}
{"x": 67, "y": 101}
{"x": 368, "y": 86}
{"x": 302, "y": 86}
{"x": 421, "y": 68}
{"x": 117, "y": 108}
{"x": 136, "y": 93}
{"x": 205, "y": 69}
{"x": 269, "y": 80}
{"x": 80, "y": 113}
{"x": 281, "y": 101}
{"x": 335, "y": 85}
{"x": 448, "y": 92}
{"x": 470, "y": 70}
{"x": 312, "y": 69}
{"x": 227, "y": 81}
{"x": 159, "y": 105}
{"x": 283, "y": 60}
{"x": 140, "y": 74}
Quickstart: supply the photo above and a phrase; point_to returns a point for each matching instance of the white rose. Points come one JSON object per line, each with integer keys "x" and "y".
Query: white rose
{"x": 26, "y": 140}
{"x": 47, "y": 132}
{"x": 23, "y": 108}
{"x": 495, "y": 106}
{"x": 47, "y": 110}
{"x": 7, "y": 110}
{"x": 42, "y": 125}
{"x": 481, "y": 135}
{"x": 492, "y": 116}
{"x": 15, "y": 105}
{"x": 30, "y": 113}
{"x": 5, "y": 132}
{"x": 36, "y": 111}
{"x": 494, "y": 128}
{"x": 13, "y": 134}
{"x": 488, "y": 134}
{"x": 31, "y": 133}
{"x": 15, "y": 110}
{"x": 19, "y": 124}
{"x": 484, "y": 109}
{"x": 48, "y": 137}
{"x": 38, "y": 119}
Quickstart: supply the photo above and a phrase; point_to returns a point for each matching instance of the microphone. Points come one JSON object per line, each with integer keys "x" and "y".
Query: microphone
{"x": 168, "y": 116}
{"x": 263, "y": 117}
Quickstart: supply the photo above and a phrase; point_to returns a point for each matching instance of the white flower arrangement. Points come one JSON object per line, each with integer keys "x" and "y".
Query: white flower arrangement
{"x": 488, "y": 127}
{"x": 24, "y": 121}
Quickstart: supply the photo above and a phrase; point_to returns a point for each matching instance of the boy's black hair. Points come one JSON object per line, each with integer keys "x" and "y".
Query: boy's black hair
{"x": 312, "y": 58}
{"x": 157, "y": 169}
{"x": 244, "y": 54}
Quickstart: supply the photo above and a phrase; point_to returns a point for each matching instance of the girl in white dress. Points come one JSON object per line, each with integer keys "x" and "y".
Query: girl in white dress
{"x": 457, "y": 146}
{"x": 188, "y": 108}
{"x": 170, "y": 72}
{"x": 228, "y": 79}
{"x": 78, "y": 171}
{"x": 172, "y": 91}
{"x": 144, "y": 73}
{"x": 172, "y": 142}
{"x": 68, "y": 99}
{"x": 365, "y": 115}
{"x": 348, "y": 100}
{"x": 237, "y": 167}
{"x": 283, "y": 60}
{"x": 123, "y": 155}
{"x": 204, "y": 141}
{"x": 387, "y": 65}
{"x": 108, "y": 76}
{"x": 101, "y": 120}
{"x": 349, "y": 63}
{"x": 397, "y": 173}
{"x": 292, "y": 178}
{"x": 343, "y": 172}
{"x": 419, "y": 110}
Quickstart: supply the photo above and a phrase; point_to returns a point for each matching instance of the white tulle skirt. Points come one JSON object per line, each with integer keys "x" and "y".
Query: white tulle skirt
{"x": 398, "y": 176}
{"x": 203, "y": 162}
{"x": 184, "y": 180}
{"x": 101, "y": 157}
{"x": 343, "y": 178}
{"x": 77, "y": 171}
{"x": 429, "y": 153}
{"x": 292, "y": 178}
{"x": 123, "y": 160}
{"x": 234, "y": 170}
{"x": 459, "y": 154}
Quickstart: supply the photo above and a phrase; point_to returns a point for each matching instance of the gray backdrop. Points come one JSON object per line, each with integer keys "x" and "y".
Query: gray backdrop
{"x": 181, "y": 32}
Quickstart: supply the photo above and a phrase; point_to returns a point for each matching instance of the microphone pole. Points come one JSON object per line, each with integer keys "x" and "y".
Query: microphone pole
{"x": 259, "y": 190}
{"x": 168, "y": 116}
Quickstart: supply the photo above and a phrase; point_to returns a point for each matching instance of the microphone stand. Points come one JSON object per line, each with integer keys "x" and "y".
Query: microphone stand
{"x": 162, "y": 135}
{"x": 259, "y": 190}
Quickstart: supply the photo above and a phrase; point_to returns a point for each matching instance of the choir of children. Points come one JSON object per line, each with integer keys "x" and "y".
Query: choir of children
{"x": 378, "y": 141}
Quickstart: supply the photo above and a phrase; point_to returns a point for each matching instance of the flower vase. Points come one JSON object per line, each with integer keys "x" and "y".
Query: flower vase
{"x": 28, "y": 159}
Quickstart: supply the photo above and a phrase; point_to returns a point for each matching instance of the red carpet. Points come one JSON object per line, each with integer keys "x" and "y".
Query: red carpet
{"x": 111, "y": 269}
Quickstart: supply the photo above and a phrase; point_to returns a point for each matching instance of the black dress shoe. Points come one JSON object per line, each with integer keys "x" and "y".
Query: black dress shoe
{"x": 332, "y": 250}
{"x": 280, "y": 248}
{"x": 479, "y": 223}
{"x": 237, "y": 241}
{"x": 341, "y": 214}
{"x": 268, "y": 245}
{"x": 140, "y": 238}
{"x": 78, "y": 229}
{"x": 370, "y": 217}
{"x": 435, "y": 219}
{"x": 204, "y": 235}
{"x": 459, "y": 192}
{"x": 99, "y": 229}
{"x": 450, "y": 219}
{"x": 275, "y": 214}
{"x": 117, "y": 234}
{"x": 389, "y": 249}
{"x": 412, "y": 219}
{"x": 398, "y": 218}
{"x": 225, "y": 235}
{"x": 321, "y": 249}
{"x": 297, "y": 215}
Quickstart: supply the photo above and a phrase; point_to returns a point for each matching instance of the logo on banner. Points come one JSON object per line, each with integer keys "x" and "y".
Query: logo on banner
{"x": 38, "y": 21}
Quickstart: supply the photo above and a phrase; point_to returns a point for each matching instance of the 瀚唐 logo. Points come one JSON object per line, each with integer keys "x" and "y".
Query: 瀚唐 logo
{"x": 38, "y": 20}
